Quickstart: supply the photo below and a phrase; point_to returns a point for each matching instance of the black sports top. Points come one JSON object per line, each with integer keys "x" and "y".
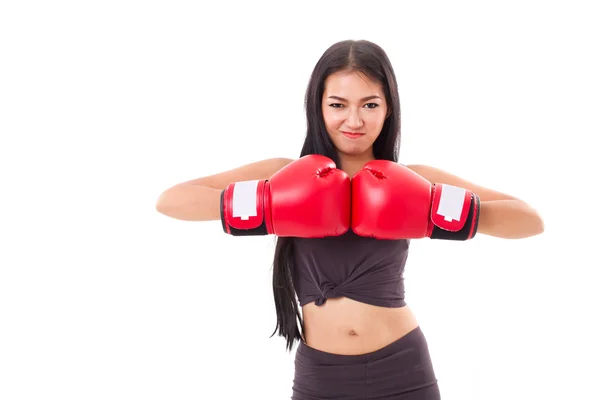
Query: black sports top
{"x": 360, "y": 268}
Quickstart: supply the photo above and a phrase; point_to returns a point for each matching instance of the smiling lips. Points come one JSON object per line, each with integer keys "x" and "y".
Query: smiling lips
{"x": 352, "y": 135}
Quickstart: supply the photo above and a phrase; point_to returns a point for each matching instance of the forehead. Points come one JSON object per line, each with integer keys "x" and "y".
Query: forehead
{"x": 352, "y": 83}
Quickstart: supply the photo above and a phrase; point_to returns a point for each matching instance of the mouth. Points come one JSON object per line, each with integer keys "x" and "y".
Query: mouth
{"x": 352, "y": 135}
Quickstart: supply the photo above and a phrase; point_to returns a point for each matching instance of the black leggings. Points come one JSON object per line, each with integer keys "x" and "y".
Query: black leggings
{"x": 401, "y": 370}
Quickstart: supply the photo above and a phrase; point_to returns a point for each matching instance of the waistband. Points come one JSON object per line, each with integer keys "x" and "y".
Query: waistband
{"x": 412, "y": 339}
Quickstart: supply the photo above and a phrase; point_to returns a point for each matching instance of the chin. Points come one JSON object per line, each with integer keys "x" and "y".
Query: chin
{"x": 353, "y": 150}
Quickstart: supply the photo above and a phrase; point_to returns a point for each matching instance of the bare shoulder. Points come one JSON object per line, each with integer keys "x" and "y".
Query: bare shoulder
{"x": 437, "y": 175}
{"x": 432, "y": 174}
{"x": 262, "y": 169}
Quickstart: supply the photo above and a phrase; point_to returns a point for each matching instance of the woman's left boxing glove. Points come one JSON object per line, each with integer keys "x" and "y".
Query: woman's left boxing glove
{"x": 390, "y": 201}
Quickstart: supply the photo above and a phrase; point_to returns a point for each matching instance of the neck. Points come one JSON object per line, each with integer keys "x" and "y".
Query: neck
{"x": 352, "y": 164}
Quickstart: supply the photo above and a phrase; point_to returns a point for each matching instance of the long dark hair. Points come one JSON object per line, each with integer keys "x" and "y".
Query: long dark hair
{"x": 349, "y": 55}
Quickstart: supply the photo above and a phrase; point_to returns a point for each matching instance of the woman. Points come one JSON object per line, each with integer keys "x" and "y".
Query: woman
{"x": 344, "y": 214}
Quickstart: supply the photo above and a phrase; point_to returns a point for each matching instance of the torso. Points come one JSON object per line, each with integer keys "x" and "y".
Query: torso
{"x": 345, "y": 326}
{"x": 348, "y": 327}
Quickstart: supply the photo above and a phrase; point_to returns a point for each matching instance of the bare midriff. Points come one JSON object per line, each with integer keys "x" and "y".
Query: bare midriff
{"x": 348, "y": 327}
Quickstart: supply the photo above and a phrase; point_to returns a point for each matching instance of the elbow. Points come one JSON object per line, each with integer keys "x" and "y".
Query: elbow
{"x": 538, "y": 221}
{"x": 540, "y": 227}
{"x": 161, "y": 209}
{"x": 536, "y": 226}
{"x": 162, "y": 203}
{"x": 533, "y": 230}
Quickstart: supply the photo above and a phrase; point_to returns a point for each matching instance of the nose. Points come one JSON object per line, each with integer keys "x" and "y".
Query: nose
{"x": 354, "y": 121}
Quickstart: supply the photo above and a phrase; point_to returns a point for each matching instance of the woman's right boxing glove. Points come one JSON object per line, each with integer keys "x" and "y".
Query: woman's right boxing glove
{"x": 308, "y": 198}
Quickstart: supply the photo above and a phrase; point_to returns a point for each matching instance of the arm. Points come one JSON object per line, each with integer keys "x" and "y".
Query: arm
{"x": 200, "y": 199}
{"x": 501, "y": 215}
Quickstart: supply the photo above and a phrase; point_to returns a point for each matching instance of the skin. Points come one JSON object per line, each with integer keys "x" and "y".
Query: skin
{"x": 342, "y": 325}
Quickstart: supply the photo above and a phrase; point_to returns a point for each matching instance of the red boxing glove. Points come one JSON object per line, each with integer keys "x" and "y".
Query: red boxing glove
{"x": 307, "y": 198}
{"x": 390, "y": 201}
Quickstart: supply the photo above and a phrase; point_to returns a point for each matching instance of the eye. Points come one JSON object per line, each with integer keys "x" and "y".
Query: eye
{"x": 371, "y": 105}
{"x": 336, "y": 105}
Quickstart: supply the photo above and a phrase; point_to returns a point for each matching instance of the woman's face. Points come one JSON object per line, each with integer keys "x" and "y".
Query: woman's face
{"x": 354, "y": 110}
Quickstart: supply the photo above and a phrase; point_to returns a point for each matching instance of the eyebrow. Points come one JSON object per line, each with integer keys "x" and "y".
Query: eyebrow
{"x": 363, "y": 99}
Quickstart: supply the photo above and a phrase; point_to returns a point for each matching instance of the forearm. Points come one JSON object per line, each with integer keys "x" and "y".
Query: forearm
{"x": 188, "y": 202}
{"x": 509, "y": 219}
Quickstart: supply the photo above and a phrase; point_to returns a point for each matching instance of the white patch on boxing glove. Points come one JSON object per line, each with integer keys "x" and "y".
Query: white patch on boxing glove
{"x": 244, "y": 202}
{"x": 452, "y": 200}
{"x": 450, "y": 207}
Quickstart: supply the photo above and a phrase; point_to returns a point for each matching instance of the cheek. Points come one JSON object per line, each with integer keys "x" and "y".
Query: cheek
{"x": 376, "y": 121}
{"x": 332, "y": 119}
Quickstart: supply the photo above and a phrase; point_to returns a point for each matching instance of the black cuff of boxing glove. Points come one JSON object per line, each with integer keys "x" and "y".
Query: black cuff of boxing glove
{"x": 260, "y": 230}
{"x": 468, "y": 231}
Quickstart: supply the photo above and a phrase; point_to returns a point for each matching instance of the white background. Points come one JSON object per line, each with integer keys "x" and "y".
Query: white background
{"x": 103, "y": 105}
